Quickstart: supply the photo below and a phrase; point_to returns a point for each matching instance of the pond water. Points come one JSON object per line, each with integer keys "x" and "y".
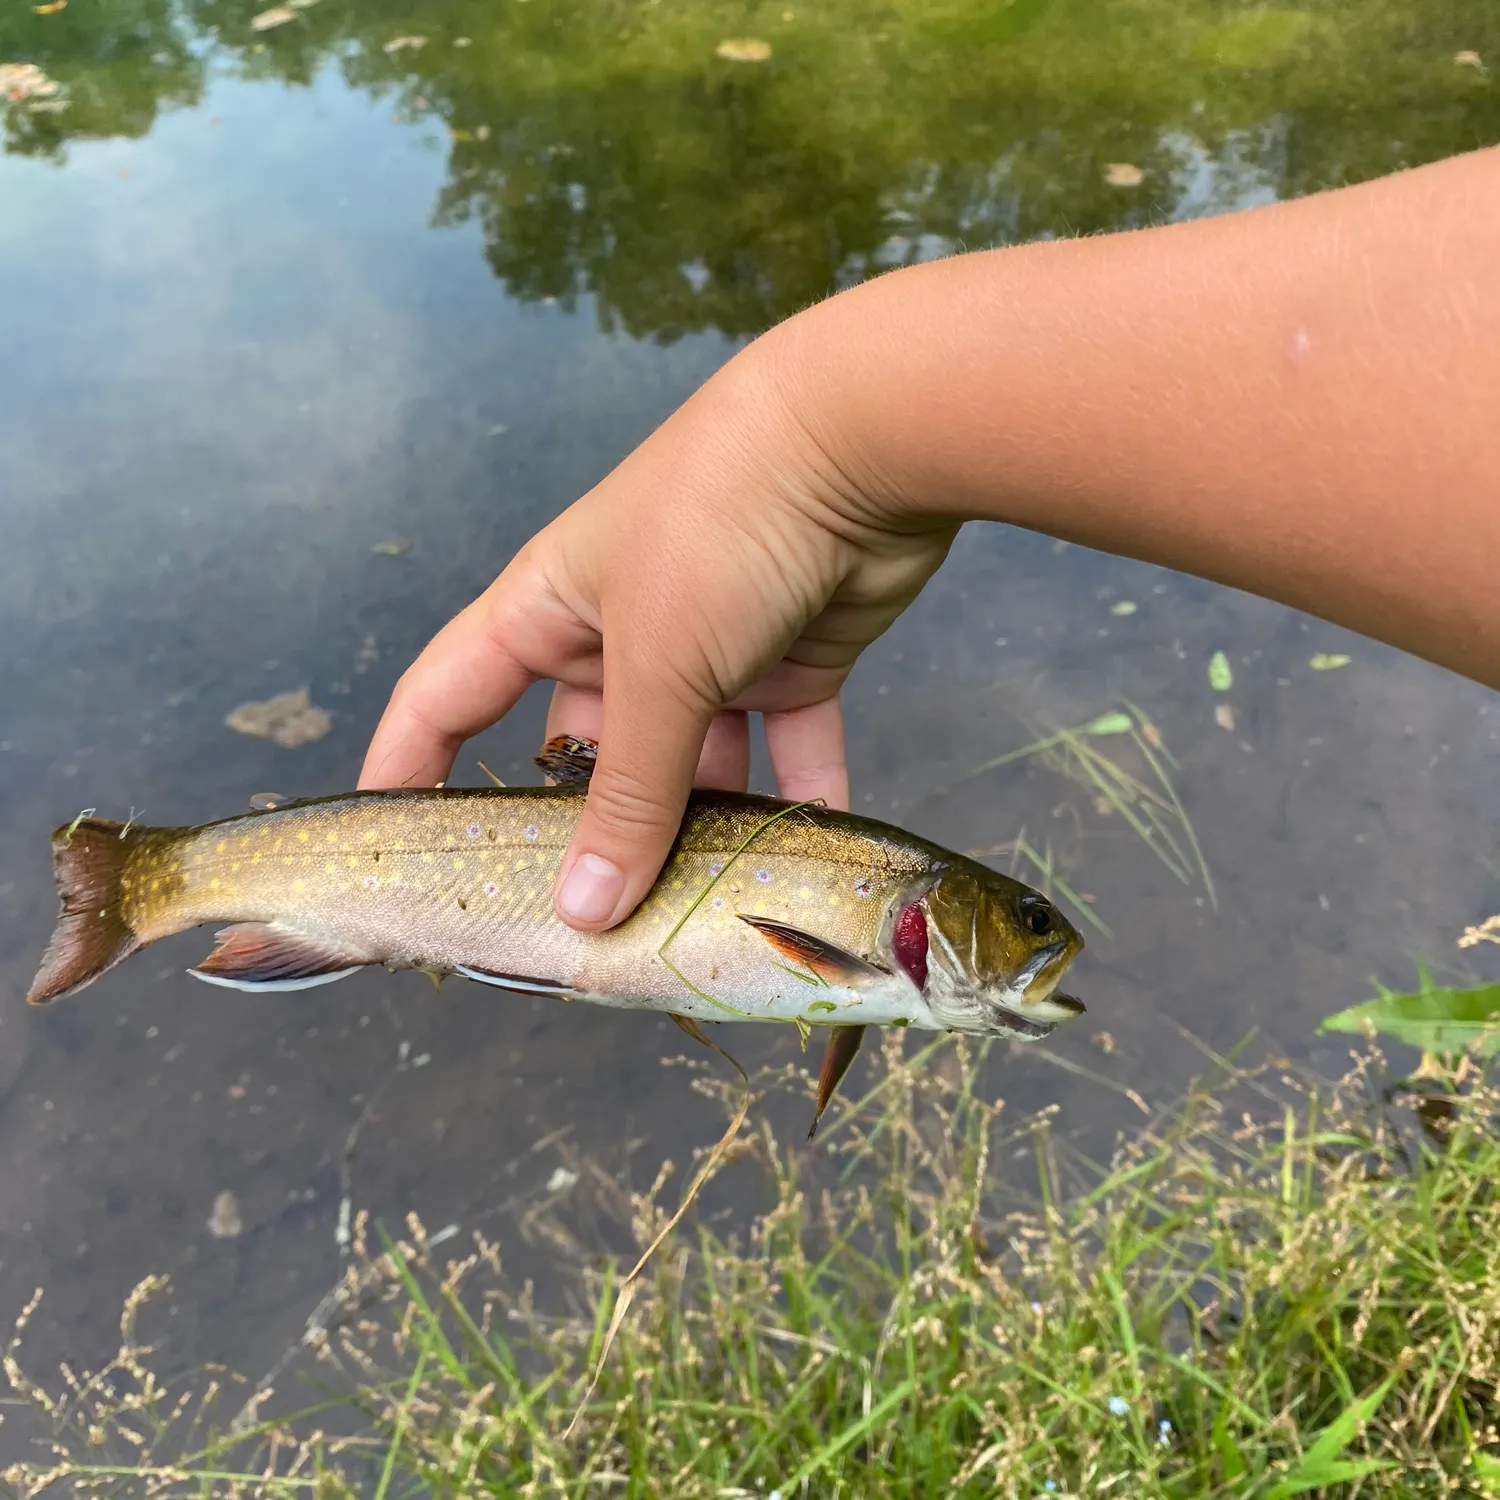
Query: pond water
{"x": 277, "y": 300}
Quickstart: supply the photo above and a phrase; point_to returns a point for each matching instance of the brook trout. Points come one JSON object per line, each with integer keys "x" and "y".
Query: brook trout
{"x": 765, "y": 911}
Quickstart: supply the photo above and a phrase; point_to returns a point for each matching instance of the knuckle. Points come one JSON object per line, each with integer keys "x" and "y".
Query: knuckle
{"x": 630, "y": 812}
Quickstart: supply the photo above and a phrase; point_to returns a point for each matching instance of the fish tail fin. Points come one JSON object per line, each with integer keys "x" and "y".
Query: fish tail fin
{"x": 93, "y": 933}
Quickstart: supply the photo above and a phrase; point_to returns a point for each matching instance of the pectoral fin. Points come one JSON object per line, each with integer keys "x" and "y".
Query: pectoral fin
{"x": 522, "y": 983}
{"x": 843, "y": 1043}
{"x": 264, "y": 956}
{"x": 832, "y": 965}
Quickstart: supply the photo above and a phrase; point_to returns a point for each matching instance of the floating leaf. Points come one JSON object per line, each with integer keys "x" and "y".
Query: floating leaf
{"x": 1115, "y": 723}
{"x": 278, "y": 15}
{"x": 1220, "y": 673}
{"x": 1327, "y": 661}
{"x": 395, "y": 547}
{"x": 1434, "y": 1018}
{"x": 746, "y": 49}
{"x": 1224, "y": 716}
{"x": 1123, "y": 174}
{"x": 1124, "y": 607}
{"x": 404, "y": 43}
{"x": 1470, "y": 59}
{"x": 51, "y": 9}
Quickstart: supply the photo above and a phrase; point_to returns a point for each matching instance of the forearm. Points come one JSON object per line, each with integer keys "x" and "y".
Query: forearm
{"x": 1301, "y": 401}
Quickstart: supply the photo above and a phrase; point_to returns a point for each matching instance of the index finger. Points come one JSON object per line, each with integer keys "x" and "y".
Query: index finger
{"x": 465, "y": 679}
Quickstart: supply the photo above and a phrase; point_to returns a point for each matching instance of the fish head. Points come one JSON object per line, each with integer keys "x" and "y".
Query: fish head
{"x": 992, "y": 953}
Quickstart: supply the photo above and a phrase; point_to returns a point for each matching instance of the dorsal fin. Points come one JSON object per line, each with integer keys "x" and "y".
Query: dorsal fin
{"x": 568, "y": 760}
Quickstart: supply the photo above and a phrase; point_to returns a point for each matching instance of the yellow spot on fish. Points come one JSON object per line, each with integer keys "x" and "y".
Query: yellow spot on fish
{"x": 219, "y": 847}
{"x": 302, "y": 835}
{"x": 333, "y": 836}
{"x": 426, "y": 857}
{"x": 520, "y": 864}
{"x": 353, "y": 861}
{"x": 156, "y": 885}
{"x": 458, "y": 864}
{"x": 369, "y": 835}
{"x": 213, "y": 884}
{"x": 277, "y": 845}
{"x": 297, "y": 885}
{"x": 398, "y": 843}
{"x": 833, "y": 900}
{"x": 803, "y": 894}
{"x": 255, "y": 858}
{"x": 329, "y": 868}
{"x": 234, "y": 869}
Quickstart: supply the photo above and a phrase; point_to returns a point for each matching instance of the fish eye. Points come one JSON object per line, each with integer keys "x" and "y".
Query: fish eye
{"x": 1036, "y": 914}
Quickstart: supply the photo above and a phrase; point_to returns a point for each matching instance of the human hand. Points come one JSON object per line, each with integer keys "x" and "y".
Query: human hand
{"x": 728, "y": 565}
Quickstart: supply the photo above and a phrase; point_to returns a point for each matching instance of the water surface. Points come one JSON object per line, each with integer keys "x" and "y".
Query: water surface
{"x": 423, "y": 273}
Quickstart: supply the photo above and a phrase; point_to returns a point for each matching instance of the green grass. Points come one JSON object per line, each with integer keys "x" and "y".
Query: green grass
{"x": 1296, "y": 1292}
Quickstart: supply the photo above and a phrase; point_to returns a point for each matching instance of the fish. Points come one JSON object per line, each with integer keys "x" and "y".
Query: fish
{"x": 765, "y": 911}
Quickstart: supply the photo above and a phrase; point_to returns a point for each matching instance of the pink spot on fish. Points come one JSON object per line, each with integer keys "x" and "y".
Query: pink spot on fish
{"x": 372, "y": 882}
{"x": 475, "y": 831}
{"x": 718, "y": 903}
{"x": 491, "y": 889}
{"x": 717, "y": 867}
{"x": 864, "y": 888}
{"x": 533, "y": 832}
{"x": 763, "y": 876}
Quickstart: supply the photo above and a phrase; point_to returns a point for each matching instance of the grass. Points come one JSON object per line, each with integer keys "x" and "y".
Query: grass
{"x": 1300, "y": 1296}
{"x": 1146, "y": 799}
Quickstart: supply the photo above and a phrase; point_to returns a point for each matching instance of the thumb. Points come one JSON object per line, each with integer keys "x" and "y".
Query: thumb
{"x": 650, "y": 739}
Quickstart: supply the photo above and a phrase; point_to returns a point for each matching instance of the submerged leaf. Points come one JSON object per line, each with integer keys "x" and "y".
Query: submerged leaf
{"x": 1220, "y": 673}
{"x": 743, "y": 49}
{"x": 278, "y": 15}
{"x": 1123, "y": 174}
{"x": 1326, "y": 661}
{"x": 1124, "y": 607}
{"x": 290, "y": 719}
{"x": 1435, "y": 1018}
{"x": 1115, "y": 723}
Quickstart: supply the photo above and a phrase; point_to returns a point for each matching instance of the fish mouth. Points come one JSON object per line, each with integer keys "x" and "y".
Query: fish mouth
{"x": 1005, "y": 1021}
{"x": 1037, "y": 979}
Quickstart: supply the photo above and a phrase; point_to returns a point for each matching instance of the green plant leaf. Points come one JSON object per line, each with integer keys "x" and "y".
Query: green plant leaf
{"x": 1123, "y": 607}
{"x": 1220, "y": 673}
{"x": 1321, "y": 1465}
{"x": 1115, "y": 723}
{"x": 1327, "y": 661}
{"x": 1231, "y": 1461}
{"x": 1435, "y": 1017}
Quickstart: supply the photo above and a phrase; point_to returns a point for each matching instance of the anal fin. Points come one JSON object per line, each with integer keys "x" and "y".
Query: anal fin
{"x": 843, "y": 1044}
{"x": 831, "y": 964}
{"x": 265, "y": 956}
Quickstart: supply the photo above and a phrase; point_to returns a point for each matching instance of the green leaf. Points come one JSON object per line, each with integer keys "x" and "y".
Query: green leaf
{"x": 1220, "y": 673}
{"x": 1327, "y": 661}
{"x": 1231, "y": 1461}
{"x": 1321, "y": 1466}
{"x": 1115, "y": 723}
{"x": 821, "y": 1005}
{"x": 1435, "y": 1018}
{"x": 1124, "y": 607}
